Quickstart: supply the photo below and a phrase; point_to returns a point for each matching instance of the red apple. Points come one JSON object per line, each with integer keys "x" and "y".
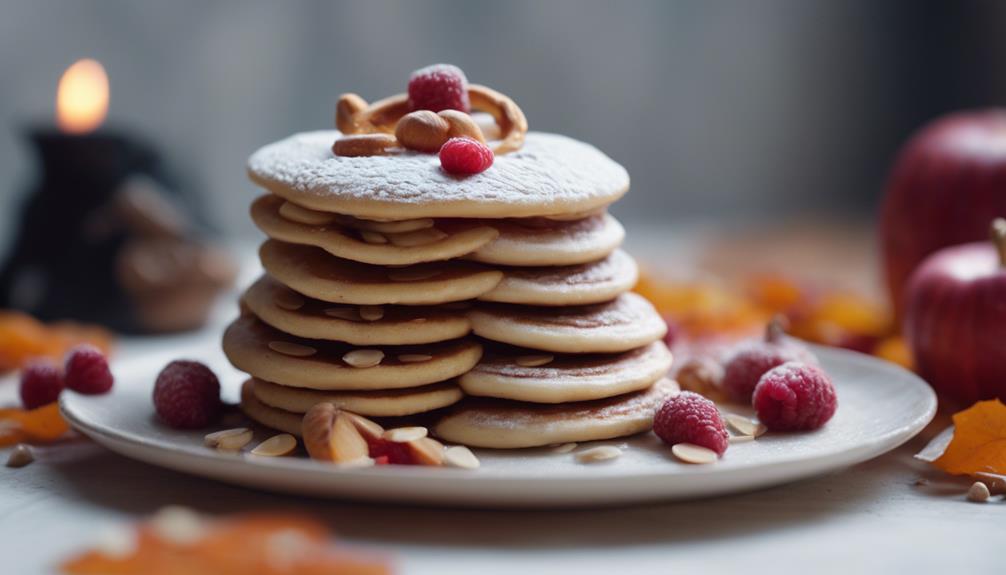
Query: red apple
{"x": 955, "y": 319}
{"x": 948, "y": 183}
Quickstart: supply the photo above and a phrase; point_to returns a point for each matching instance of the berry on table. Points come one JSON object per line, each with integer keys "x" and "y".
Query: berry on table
{"x": 745, "y": 366}
{"x": 87, "y": 371}
{"x": 795, "y": 397}
{"x": 690, "y": 418}
{"x": 187, "y": 395}
{"x": 465, "y": 156}
{"x": 439, "y": 87}
{"x": 41, "y": 383}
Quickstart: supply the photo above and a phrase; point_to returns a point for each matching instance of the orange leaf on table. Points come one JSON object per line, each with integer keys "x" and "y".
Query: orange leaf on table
{"x": 979, "y": 442}
{"x": 42, "y": 424}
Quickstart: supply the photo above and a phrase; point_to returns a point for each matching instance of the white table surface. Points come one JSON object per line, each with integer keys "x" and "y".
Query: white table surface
{"x": 869, "y": 518}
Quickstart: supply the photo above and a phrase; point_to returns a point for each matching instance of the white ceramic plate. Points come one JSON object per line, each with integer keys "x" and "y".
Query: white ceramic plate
{"x": 880, "y": 407}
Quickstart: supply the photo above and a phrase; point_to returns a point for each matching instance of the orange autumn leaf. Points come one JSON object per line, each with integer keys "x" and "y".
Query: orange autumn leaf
{"x": 42, "y": 424}
{"x": 979, "y": 442}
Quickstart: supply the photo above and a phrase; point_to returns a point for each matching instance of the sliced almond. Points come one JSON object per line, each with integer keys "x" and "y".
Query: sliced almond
{"x": 745, "y": 426}
{"x": 534, "y": 360}
{"x": 371, "y": 312}
{"x": 289, "y": 300}
{"x": 363, "y": 358}
{"x": 373, "y": 237}
{"x": 276, "y": 446}
{"x": 370, "y": 430}
{"x": 292, "y": 349}
{"x": 413, "y": 275}
{"x": 414, "y": 357}
{"x": 20, "y": 456}
{"x": 295, "y": 213}
{"x": 346, "y": 313}
{"x": 599, "y": 453}
{"x": 740, "y": 438}
{"x": 417, "y": 238}
{"x": 228, "y": 439}
{"x": 460, "y": 456}
{"x": 564, "y": 448}
{"x": 405, "y": 434}
{"x": 426, "y": 451}
{"x": 330, "y": 435}
{"x": 690, "y": 453}
{"x": 979, "y": 492}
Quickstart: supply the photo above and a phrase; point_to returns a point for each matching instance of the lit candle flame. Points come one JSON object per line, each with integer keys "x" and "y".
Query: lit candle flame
{"x": 82, "y": 97}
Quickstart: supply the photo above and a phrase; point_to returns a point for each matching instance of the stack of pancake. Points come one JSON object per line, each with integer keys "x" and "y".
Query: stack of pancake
{"x": 499, "y": 302}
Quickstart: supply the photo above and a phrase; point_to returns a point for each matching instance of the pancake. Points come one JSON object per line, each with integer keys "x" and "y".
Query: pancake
{"x": 381, "y": 403}
{"x": 317, "y": 274}
{"x": 265, "y": 353}
{"x": 285, "y": 421}
{"x": 500, "y": 424}
{"x": 372, "y": 247}
{"x": 541, "y": 242}
{"x": 290, "y": 312}
{"x": 583, "y": 284}
{"x": 566, "y": 377}
{"x": 625, "y": 323}
{"x": 551, "y": 175}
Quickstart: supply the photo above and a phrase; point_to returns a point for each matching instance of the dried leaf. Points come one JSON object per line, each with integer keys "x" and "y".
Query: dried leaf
{"x": 979, "y": 441}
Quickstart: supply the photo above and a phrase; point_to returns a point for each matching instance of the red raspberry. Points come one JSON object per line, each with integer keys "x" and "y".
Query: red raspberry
{"x": 187, "y": 395}
{"x": 795, "y": 397}
{"x": 751, "y": 360}
{"x": 439, "y": 87}
{"x": 41, "y": 383}
{"x": 690, "y": 418}
{"x": 87, "y": 370}
{"x": 465, "y": 156}
{"x": 390, "y": 451}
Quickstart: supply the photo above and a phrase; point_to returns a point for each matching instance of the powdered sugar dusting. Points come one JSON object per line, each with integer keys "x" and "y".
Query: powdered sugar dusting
{"x": 550, "y": 175}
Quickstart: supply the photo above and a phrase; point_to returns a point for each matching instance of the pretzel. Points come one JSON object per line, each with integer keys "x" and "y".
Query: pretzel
{"x": 382, "y": 118}
{"x": 508, "y": 116}
{"x": 364, "y": 145}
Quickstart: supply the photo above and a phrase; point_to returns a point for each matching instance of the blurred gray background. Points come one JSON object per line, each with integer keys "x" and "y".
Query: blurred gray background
{"x": 725, "y": 110}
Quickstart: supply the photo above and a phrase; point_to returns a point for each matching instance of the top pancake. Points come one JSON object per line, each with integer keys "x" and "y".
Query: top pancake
{"x": 551, "y": 175}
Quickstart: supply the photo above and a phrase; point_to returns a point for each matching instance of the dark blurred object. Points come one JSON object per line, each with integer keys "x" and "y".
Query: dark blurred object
{"x": 104, "y": 239}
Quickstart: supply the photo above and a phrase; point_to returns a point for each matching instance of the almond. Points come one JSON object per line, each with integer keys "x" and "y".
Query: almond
{"x": 276, "y": 446}
{"x": 228, "y": 439}
{"x": 363, "y": 358}
{"x": 979, "y": 492}
{"x": 460, "y": 456}
{"x": 564, "y": 448}
{"x": 370, "y": 430}
{"x": 599, "y": 453}
{"x": 426, "y": 451}
{"x": 330, "y": 435}
{"x": 371, "y": 312}
{"x": 20, "y": 456}
{"x": 423, "y": 131}
{"x": 690, "y": 453}
{"x": 289, "y": 300}
{"x": 292, "y": 349}
{"x": 405, "y": 434}
{"x": 745, "y": 426}
{"x": 346, "y": 313}
{"x": 373, "y": 237}
{"x": 346, "y": 109}
{"x": 414, "y": 357}
{"x": 461, "y": 125}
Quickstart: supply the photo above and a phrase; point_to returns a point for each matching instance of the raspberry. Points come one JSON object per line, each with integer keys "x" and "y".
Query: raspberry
{"x": 439, "y": 87}
{"x": 390, "y": 451}
{"x": 187, "y": 395}
{"x": 87, "y": 370}
{"x": 465, "y": 156}
{"x": 690, "y": 418}
{"x": 795, "y": 397}
{"x": 751, "y": 360}
{"x": 41, "y": 383}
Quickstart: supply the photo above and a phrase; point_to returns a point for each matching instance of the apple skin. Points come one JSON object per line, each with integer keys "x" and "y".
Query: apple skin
{"x": 955, "y": 322}
{"x": 947, "y": 184}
